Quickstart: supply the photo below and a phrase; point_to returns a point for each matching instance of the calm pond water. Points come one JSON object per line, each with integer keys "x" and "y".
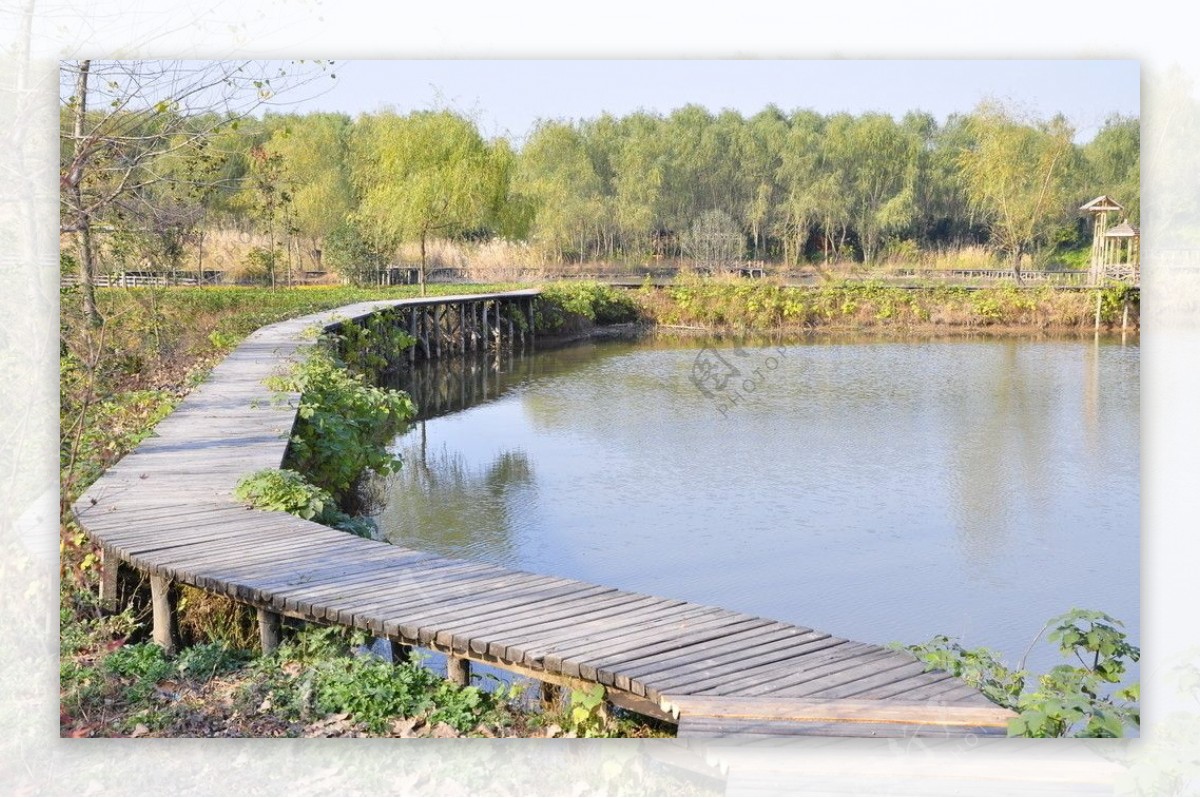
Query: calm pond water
{"x": 878, "y": 490}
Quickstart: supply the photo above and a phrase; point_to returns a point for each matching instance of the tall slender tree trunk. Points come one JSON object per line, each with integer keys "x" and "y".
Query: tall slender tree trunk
{"x": 421, "y": 271}
{"x": 87, "y": 267}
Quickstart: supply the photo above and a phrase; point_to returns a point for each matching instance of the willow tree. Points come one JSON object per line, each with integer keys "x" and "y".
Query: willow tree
{"x": 1018, "y": 175}
{"x": 425, "y": 175}
{"x": 313, "y": 153}
{"x": 555, "y": 172}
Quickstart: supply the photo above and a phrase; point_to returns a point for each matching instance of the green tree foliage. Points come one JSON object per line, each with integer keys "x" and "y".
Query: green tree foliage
{"x": 352, "y": 254}
{"x": 424, "y": 175}
{"x": 313, "y": 152}
{"x": 1113, "y": 164}
{"x": 556, "y": 173}
{"x": 876, "y": 161}
{"x": 799, "y": 186}
{"x": 1018, "y": 176}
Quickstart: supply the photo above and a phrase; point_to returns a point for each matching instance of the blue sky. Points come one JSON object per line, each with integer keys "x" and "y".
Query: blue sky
{"x": 508, "y": 97}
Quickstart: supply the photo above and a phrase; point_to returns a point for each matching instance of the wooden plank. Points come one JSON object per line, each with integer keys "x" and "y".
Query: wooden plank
{"x": 912, "y": 677}
{"x": 425, "y": 626}
{"x": 803, "y": 680}
{"x": 611, "y": 619}
{"x": 697, "y": 633}
{"x": 765, "y": 679}
{"x": 569, "y": 605}
{"x": 576, "y": 609}
{"x": 668, "y": 667}
{"x": 835, "y": 711}
{"x": 593, "y": 614}
{"x": 561, "y": 652}
{"x": 746, "y": 654}
{"x": 700, "y": 727}
{"x": 931, "y": 690}
{"x": 767, "y": 669}
{"x": 469, "y": 594}
{"x": 414, "y": 588}
{"x": 876, "y": 672}
{"x": 308, "y": 585}
{"x": 763, "y": 640}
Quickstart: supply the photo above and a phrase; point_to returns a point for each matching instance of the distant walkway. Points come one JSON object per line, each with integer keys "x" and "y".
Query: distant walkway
{"x": 167, "y": 509}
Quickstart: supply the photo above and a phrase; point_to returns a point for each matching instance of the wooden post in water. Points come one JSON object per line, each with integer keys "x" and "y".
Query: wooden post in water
{"x": 530, "y": 310}
{"x": 1124, "y": 315}
{"x": 269, "y": 630}
{"x": 163, "y": 613}
{"x": 412, "y": 332}
{"x": 458, "y": 671}
{"x": 1099, "y": 294}
{"x": 462, "y": 328}
{"x": 438, "y": 317}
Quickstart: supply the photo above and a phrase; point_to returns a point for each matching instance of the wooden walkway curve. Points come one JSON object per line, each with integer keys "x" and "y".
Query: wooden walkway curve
{"x": 167, "y": 509}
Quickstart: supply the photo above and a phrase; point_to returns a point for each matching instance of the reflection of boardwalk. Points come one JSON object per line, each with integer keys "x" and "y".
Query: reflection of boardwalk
{"x": 167, "y": 509}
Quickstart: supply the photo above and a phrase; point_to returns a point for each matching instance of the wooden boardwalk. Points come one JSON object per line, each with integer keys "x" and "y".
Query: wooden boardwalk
{"x": 167, "y": 509}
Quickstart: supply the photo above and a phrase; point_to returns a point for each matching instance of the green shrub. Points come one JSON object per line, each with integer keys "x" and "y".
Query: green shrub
{"x": 560, "y": 303}
{"x": 323, "y": 677}
{"x": 284, "y": 490}
{"x": 343, "y": 425}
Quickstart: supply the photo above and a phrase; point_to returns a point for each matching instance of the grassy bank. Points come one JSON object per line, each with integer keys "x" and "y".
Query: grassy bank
{"x": 742, "y": 305}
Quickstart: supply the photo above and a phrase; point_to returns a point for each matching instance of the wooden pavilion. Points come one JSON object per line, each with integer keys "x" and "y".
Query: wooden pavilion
{"x": 1116, "y": 251}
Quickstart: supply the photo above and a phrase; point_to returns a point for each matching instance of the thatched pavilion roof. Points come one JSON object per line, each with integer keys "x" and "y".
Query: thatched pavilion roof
{"x": 1102, "y": 203}
{"x": 1123, "y": 230}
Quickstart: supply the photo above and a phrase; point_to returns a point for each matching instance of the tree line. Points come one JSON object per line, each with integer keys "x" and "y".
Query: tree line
{"x": 786, "y": 187}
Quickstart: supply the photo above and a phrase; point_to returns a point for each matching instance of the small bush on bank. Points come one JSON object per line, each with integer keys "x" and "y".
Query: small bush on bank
{"x": 565, "y": 305}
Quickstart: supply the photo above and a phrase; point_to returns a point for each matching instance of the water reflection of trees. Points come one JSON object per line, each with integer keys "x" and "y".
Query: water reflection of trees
{"x": 438, "y": 502}
{"x": 447, "y": 385}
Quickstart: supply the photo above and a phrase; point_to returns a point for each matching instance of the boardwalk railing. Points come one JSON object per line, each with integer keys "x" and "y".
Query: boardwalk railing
{"x": 167, "y": 509}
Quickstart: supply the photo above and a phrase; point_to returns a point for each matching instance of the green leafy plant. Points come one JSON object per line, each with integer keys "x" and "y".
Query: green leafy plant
{"x": 588, "y": 715}
{"x": 285, "y": 490}
{"x": 562, "y": 304}
{"x": 1069, "y": 701}
{"x": 208, "y": 660}
{"x": 343, "y": 424}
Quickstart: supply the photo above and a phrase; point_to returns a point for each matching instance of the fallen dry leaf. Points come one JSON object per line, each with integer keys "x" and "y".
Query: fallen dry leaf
{"x": 444, "y": 731}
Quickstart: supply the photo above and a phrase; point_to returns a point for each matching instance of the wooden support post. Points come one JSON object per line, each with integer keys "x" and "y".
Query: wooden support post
{"x": 458, "y": 670}
{"x": 400, "y": 652}
{"x": 1099, "y": 295}
{"x": 475, "y": 326}
{"x": 1125, "y": 315}
{"x": 551, "y": 695}
{"x": 437, "y": 329}
{"x": 110, "y": 566}
{"x": 462, "y": 328}
{"x": 530, "y": 311}
{"x": 269, "y": 630}
{"x": 163, "y": 613}
{"x": 412, "y": 332}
